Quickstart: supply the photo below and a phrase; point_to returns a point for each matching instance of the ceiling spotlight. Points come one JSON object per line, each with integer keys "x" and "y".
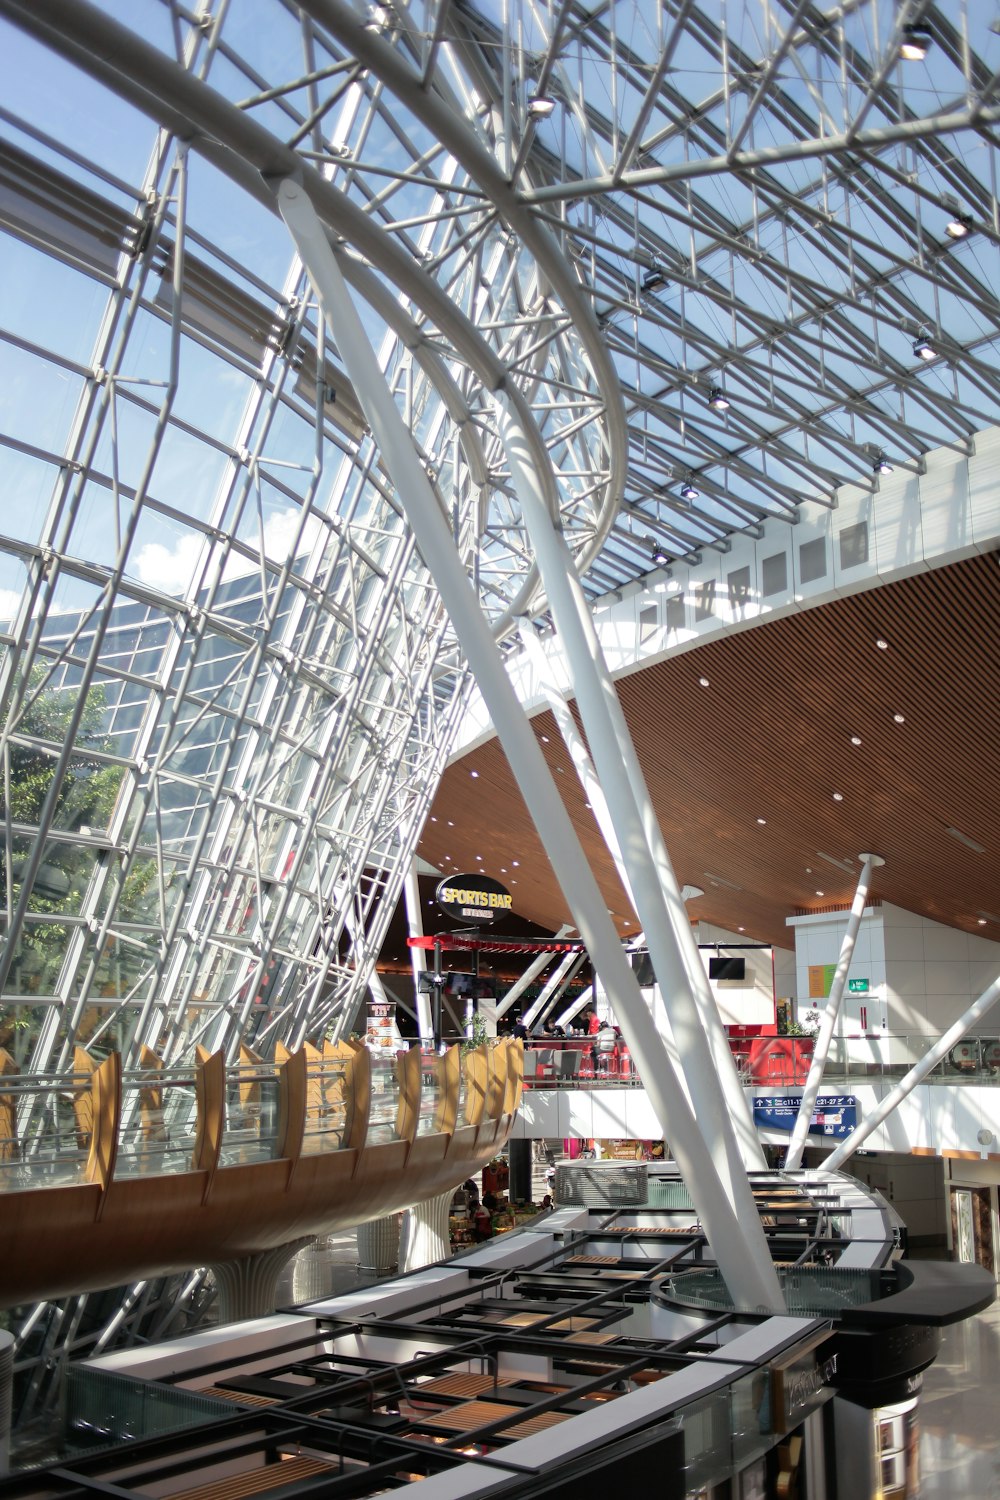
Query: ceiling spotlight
{"x": 762, "y": 821}
{"x": 660, "y": 556}
{"x": 958, "y": 227}
{"x": 703, "y": 682}
{"x": 717, "y": 399}
{"x": 855, "y": 739}
{"x": 653, "y": 279}
{"x": 924, "y": 349}
{"x": 540, "y": 106}
{"x": 688, "y": 492}
{"x": 898, "y": 719}
{"x": 838, "y": 796}
{"x": 915, "y": 43}
{"x": 882, "y": 465}
{"x": 883, "y": 645}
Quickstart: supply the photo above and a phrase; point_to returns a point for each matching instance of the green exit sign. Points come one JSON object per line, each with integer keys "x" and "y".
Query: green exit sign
{"x": 858, "y": 986}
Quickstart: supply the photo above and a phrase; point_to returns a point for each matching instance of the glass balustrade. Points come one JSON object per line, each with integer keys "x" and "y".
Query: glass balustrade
{"x": 766, "y": 1061}
{"x": 48, "y": 1122}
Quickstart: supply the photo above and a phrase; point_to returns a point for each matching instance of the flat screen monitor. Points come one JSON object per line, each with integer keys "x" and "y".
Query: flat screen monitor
{"x": 727, "y": 968}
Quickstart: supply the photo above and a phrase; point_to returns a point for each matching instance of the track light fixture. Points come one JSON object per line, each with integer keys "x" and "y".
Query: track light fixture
{"x": 915, "y": 43}
{"x": 924, "y": 349}
{"x": 717, "y": 399}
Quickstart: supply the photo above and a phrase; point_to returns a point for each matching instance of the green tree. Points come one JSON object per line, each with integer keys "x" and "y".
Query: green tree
{"x": 86, "y": 799}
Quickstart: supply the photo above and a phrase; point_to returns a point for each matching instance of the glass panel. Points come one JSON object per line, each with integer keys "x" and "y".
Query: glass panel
{"x": 251, "y": 1128}
{"x": 160, "y": 1123}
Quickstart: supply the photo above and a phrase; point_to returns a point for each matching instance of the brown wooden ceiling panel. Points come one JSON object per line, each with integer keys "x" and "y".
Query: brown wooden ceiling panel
{"x": 770, "y": 737}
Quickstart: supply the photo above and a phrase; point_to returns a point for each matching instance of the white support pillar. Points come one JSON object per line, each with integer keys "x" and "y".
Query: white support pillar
{"x": 579, "y": 754}
{"x": 821, "y": 1050}
{"x": 685, "y": 997}
{"x": 418, "y": 960}
{"x": 976, "y": 1011}
{"x": 424, "y": 1239}
{"x": 551, "y": 988}
{"x": 733, "y": 1228}
{"x": 585, "y": 997}
{"x": 530, "y": 974}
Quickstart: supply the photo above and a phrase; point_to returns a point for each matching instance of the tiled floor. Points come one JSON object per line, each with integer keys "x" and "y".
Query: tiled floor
{"x": 960, "y": 1413}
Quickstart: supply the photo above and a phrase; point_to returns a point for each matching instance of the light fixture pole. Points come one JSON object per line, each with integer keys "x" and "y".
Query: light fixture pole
{"x": 821, "y": 1050}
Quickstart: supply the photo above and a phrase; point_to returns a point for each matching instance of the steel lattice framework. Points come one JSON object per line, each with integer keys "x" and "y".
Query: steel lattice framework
{"x": 722, "y": 255}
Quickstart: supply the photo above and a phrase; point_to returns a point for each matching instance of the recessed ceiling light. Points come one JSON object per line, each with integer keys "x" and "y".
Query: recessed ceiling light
{"x": 838, "y": 796}
{"x": 545, "y": 739}
{"x": 762, "y": 821}
{"x": 981, "y": 921}
{"x": 741, "y": 929}
{"x": 433, "y": 819}
{"x": 899, "y": 718}
{"x": 821, "y": 893}
{"x": 515, "y": 863}
{"x": 473, "y": 773}
{"x": 881, "y": 644}
{"x": 479, "y": 856}
{"x": 704, "y": 682}
{"x": 809, "y": 869}
{"x": 855, "y": 739}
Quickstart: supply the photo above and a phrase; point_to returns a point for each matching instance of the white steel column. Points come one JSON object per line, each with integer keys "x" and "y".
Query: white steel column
{"x": 821, "y": 1051}
{"x": 418, "y": 961}
{"x": 976, "y": 1011}
{"x": 589, "y": 780}
{"x": 735, "y": 1233}
{"x": 552, "y": 987}
{"x": 579, "y": 754}
{"x": 530, "y": 974}
{"x": 586, "y": 997}
{"x": 709, "y": 1070}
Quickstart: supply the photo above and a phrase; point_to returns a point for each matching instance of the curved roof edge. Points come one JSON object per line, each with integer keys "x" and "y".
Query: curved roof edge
{"x": 904, "y": 524}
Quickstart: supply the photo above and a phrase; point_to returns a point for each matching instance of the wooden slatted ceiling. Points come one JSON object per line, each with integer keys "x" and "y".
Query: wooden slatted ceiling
{"x": 770, "y": 737}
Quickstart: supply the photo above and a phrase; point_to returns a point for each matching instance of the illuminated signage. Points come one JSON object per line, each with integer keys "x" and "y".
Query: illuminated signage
{"x": 473, "y": 898}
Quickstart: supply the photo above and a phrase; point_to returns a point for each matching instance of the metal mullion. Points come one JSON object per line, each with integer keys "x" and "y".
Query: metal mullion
{"x": 48, "y": 809}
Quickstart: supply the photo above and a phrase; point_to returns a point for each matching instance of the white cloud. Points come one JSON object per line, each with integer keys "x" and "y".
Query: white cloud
{"x": 10, "y": 602}
{"x": 169, "y": 569}
{"x": 172, "y": 569}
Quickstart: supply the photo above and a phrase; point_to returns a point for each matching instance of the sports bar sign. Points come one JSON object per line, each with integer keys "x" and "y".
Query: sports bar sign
{"x": 472, "y": 898}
